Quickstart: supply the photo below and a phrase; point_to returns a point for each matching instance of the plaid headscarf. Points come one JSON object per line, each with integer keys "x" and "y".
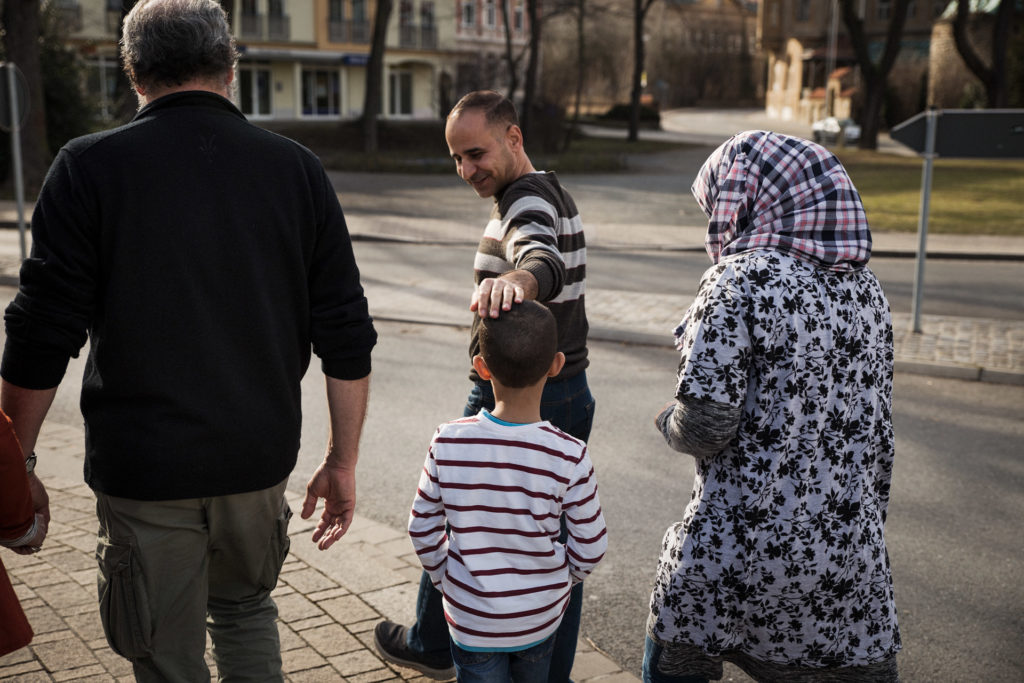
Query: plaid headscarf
{"x": 763, "y": 190}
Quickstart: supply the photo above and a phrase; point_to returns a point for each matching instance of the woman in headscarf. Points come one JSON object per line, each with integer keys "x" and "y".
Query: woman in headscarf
{"x": 784, "y": 397}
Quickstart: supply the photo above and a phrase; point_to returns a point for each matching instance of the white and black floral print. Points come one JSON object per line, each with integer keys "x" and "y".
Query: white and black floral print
{"x": 781, "y": 553}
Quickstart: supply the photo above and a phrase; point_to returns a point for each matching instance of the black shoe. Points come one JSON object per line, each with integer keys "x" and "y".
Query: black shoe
{"x": 389, "y": 638}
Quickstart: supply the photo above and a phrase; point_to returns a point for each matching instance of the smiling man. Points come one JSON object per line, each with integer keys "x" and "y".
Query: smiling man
{"x": 533, "y": 248}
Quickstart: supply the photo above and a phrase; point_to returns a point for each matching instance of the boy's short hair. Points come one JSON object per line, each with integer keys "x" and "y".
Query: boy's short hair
{"x": 520, "y": 345}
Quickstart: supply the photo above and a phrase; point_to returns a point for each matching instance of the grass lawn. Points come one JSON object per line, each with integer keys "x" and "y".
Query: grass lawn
{"x": 969, "y": 196}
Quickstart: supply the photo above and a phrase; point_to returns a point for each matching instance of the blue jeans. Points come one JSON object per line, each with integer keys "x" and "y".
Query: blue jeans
{"x": 568, "y": 405}
{"x": 525, "y": 666}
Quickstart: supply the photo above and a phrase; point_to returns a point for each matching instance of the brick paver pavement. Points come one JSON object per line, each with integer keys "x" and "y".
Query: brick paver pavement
{"x": 328, "y": 602}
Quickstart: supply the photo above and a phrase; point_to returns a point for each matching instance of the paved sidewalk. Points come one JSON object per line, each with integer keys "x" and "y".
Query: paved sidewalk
{"x": 328, "y": 601}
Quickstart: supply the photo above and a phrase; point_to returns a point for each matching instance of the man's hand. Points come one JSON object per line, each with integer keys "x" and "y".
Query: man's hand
{"x": 337, "y": 486}
{"x": 494, "y": 295}
{"x": 41, "y": 506}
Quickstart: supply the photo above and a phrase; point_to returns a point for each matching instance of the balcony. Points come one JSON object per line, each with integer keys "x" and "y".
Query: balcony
{"x": 252, "y": 26}
{"x": 279, "y": 27}
{"x": 347, "y": 31}
{"x": 415, "y": 37}
{"x": 69, "y": 15}
{"x": 264, "y": 27}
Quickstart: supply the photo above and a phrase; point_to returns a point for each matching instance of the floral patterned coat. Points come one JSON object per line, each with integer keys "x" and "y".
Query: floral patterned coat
{"x": 781, "y": 552}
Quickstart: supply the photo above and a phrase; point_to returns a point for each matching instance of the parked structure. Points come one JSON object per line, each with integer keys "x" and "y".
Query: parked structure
{"x": 306, "y": 59}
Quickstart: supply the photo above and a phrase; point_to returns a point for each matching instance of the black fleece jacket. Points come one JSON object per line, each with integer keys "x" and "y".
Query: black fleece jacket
{"x": 203, "y": 257}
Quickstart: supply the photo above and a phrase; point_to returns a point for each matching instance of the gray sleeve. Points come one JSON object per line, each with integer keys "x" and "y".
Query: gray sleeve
{"x": 699, "y": 427}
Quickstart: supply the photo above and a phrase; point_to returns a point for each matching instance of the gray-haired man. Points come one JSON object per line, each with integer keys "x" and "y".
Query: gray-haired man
{"x": 203, "y": 258}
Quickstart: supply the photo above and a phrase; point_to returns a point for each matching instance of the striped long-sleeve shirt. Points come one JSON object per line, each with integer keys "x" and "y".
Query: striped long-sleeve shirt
{"x": 535, "y": 226}
{"x": 502, "y": 488}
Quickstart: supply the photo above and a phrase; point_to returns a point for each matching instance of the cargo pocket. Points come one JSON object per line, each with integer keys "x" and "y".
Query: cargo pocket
{"x": 277, "y": 549}
{"x": 124, "y": 603}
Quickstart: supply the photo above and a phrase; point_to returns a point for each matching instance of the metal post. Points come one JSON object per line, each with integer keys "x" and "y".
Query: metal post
{"x": 19, "y": 181}
{"x": 932, "y": 121}
{"x": 830, "y": 58}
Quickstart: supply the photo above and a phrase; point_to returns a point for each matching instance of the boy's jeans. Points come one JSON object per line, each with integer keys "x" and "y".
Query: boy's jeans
{"x": 525, "y": 666}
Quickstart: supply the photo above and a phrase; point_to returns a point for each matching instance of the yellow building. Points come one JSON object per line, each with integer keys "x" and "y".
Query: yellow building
{"x": 306, "y": 59}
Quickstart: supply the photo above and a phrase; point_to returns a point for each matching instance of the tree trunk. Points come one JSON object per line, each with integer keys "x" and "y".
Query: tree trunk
{"x": 511, "y": 62}
{"x": 530, "y": 86}
{"x": 581, "y": 69}
{"x": 992, "y": 78}
{"x": 875, "y": 76}
{"x": 640, "y": 8}
{"x": 21, "y": 45}
{"x": 375, "y": 77}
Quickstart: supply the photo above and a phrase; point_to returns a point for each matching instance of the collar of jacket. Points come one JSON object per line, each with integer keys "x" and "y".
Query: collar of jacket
{"x": 189, "y": 98}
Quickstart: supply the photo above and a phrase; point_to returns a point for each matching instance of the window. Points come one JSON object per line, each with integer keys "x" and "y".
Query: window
{"x": 517, "y": 18}
{"x": 427, "y": 14}
{"x": 275, "y": 8}
{"x": 803, "y": 10}
{"x": 400, "y": 93}
{"x": 358, "y": 10}
{"x": 405, "y": 13}
{"x": 254, "y": 90}
{"x": 912, "y": 8}
{"x": 336, "y": 10}
{"x": 490, "y": 14}
{"x": 469, "y": 13}
{"x": 101, "y": 78}
{"x": 321, "y": 92}
{"x": 884, "y": 10}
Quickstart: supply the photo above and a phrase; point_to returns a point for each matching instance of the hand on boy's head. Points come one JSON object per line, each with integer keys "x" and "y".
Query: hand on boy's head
{"x": 494, "y": 295}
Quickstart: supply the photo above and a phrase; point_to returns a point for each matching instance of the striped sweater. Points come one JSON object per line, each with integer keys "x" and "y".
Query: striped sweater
{"x": 501, "y": 489}
{"x": 535, "y": 226}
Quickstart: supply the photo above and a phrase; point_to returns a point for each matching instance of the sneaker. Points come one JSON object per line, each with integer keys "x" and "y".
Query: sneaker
{"x": 389, "y": 638}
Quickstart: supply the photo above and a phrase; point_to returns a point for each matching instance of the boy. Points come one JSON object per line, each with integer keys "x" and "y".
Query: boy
{"x": 499, "y": 481}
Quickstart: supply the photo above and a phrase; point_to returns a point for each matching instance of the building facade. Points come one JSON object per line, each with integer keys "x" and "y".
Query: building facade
{"x": 811, "y": 70}
{"x": 307, "y": 59}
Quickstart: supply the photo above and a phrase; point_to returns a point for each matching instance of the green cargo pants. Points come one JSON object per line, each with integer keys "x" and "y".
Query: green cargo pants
{"x": 170, "y": 570}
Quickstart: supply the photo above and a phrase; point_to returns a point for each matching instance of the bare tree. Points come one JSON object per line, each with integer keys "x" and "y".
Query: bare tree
{"x": 874, "y": 75}
{"x": 21, "y": 23}
{"x": 532, "y": 65}
{"x": 640, "y": 9}
{"x": 992, "y": 77}
{"x": 375, "y": 76}
{"x": 512, "y": 58}
{"x": 581, "y": 69}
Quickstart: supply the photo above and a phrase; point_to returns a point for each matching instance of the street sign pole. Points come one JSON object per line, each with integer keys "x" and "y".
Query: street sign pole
{"x": 19, "y": 180}
{"x": 922, "y": 217}
{"x": 964, "y": 134}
